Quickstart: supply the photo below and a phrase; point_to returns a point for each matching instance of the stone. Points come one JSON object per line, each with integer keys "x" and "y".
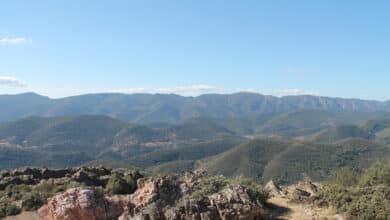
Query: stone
{"x": 303, "y": 191}
{"x": 83, "y": 203}
{"x": 158, "y": 197}
{"x": 274, "y": 189}
{"x": 58, "y": 173}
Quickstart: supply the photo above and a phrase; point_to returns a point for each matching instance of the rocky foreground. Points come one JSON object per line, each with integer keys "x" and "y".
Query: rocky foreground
{"x": 159, "y": 197}
{"x": 100, "y": 194}
{"x": 105, "y": 194}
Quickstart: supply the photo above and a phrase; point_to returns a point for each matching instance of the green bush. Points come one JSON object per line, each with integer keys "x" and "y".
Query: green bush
{"x": 16, "y": 192}
{"x": 3, "y": 213}
{"x": 48, "y": 188}
{"x": 131, "y": 181}
{"x": 370, "y": 199}
{"x": 346, "y": 176}
{"x": 213, "y": 184}
{"x": 7, "y": 209}
{"x": 120, "y": 185}
{"x": 18, "y": 188}
{"x": 12, "y": 209}
{"x": 377, "y": 174}
{"x": 32, "y": 201}
{"x": 207, "y": 186}
{"x": 73, "y": 184}
{"x": 370, "y": 203}
{"x": 258, "y": 193}
{"x": 359, "y": 203}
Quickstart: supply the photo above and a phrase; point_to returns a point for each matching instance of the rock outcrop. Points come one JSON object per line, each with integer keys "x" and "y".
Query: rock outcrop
{"x": 83, "y": 203}
{"x": 158, "y": 197}
{"x": 303, "y": 191}
{"x": 90, "y": 176}
{"x": 274, "y": 189}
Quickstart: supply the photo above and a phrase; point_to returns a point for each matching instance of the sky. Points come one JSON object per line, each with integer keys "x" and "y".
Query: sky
{"x": 321, "y": 47}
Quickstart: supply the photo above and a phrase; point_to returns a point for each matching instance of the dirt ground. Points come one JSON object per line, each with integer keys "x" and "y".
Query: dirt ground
{"x": 24, "y": 216}
{"x": 281, "y": 209}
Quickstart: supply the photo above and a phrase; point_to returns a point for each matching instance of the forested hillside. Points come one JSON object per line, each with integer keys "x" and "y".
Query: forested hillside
{"x": 285, "y": 147}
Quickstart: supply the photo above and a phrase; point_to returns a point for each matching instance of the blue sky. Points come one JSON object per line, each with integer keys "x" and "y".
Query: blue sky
{"x": 63, "y": 47}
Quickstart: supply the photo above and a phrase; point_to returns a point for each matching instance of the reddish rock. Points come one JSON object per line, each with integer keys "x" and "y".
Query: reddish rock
{"x": 85, "y": 204}
{"x": 158, "y": 197}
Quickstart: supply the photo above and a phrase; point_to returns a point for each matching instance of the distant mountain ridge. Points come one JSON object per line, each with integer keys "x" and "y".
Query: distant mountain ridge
{"x": 171, "y": 108}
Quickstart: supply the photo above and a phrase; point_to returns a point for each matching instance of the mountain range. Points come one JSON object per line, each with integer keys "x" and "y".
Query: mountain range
{"x": 170, "y": 108}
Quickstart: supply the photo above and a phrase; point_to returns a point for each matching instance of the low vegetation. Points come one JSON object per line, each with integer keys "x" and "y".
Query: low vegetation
{"x": 287, "y": 162}
{"x": 8, "y": 209}
{"x": 360, "y": 195}
{"x": 15, "y": 198}
{"x": 213, "y": 184}
{"x": 118, "y": 184}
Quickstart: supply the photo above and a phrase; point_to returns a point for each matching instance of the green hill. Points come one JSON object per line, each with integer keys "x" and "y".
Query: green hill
{"x": 199, "y": 128}
{"x": 15, "y": 157}
{"x": 105, "y": 138}
{"x": 290, "y": 161}
{"x": 384, "y": 136}
{"x": 249, "y": 159}
{"x": 186, "y": 152}
{"x": 218, "y": 145}
{"x": 374, "y": 126}
{"x": 87, "y": 134}
{"x": 308, "y": 122}
{"x": 380, "y": 128}
{"x": 319, "y": 161}
{"x": 176, "y": 166}
{"x": 341, "y": 132}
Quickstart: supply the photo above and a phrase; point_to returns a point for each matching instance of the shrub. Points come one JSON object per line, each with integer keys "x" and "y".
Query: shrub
{"x": 346, "y": 176}
{"x": 370, "y": 203}
{"x": 47, "y": 187}
{"x": 132, "y": 182}
{"x": 208, "y": 186}
{"x": 73, "y": 184}
{"x": 18, "y": 188}
{"x": 213, "y": 184}
{"x": 16, "y": 192}
{"x": 258, "y": 192}
{"x": 7, "y": 208}
{"x": 370, "y": 199}
{"x": 336, "y": 195}
{"x": 12, "y": 209}
{"x": 118, "y": 185}
{"x": 377, "y": 174}
{"x": 32, "y": 201}
{"x": 3, "y": 213}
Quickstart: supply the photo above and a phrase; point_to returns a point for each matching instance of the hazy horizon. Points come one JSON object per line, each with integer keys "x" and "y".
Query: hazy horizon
{"x": 191, "y": 96}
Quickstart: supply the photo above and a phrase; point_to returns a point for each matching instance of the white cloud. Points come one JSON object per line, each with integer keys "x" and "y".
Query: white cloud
{"x": 180, "y": 90}
{"x": 11, "y": 82}
{"x": 289, "y": 92}
{"x": 17, "y": 40}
